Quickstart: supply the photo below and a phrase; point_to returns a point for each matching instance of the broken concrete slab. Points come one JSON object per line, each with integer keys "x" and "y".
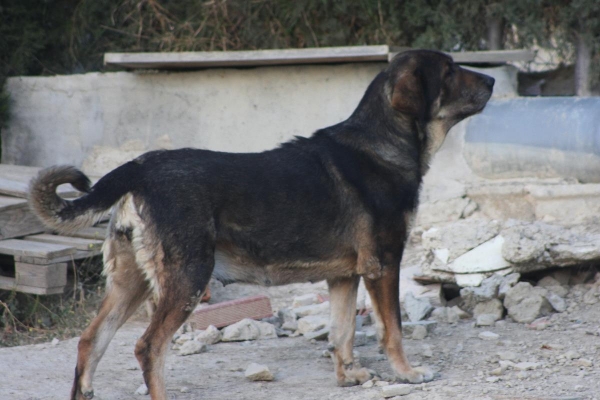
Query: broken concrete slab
{"x": 312, "y": 323}
{"x": 473, "y": 232}
{"x": 487, "y": 257}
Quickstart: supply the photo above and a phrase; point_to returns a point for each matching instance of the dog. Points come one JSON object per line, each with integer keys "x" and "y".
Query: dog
{"x": 336, "y": 206}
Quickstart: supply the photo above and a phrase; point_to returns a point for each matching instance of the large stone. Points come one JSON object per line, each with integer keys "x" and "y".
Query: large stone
{"x": 445, "y": 314}
{"x": 312, "y": 323}
{"x": 525, "y": 303}
{"x": 210, "y": 335}
{"x": 492, "y": 307}
{"x": 249, "y": 329}
{"x": 557, "y": 302}
{"x": 417, "y": 309}
{"x": 192, "y": 347}
{"x": 257, "y": 372}
{"x": 507, "y": 282}
{"x": 487, "y": 257}
{"x": 401, "y": 389}
{"x": 305, "y": 300}
{"x": 288, "y": 319}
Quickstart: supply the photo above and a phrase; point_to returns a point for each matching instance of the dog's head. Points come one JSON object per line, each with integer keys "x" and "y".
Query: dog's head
{"x": 430, "y": 88}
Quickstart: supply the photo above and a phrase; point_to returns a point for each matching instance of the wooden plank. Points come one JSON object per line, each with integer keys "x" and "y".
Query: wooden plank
{"x": 46, "y": 276}
{"x": 21, "y": 189}
{"x": 17, "y": 220}
{"x": 28, "y": 248}
{"x": 78, "y": 255}
{"x": 9, "y": 203}
{"x": 78, "y": 243}
{"x": 11, "y": 284}
{"x": 211, "y": 59}
{"x": 98, "y": 233}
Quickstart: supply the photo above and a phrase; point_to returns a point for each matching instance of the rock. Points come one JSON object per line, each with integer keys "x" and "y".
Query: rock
{"x": 288, "y": 319}
{"x": 492, "y": 379}
{"x": 257, "y": 372}
{"x": 321, "y": 334}
{"x": 382, "y": 383}
{"x": 488, "y": 290}
{"x": 313, "y": 309}
{"x": 417, "y": 309}
{"x": 492, "y": 307}
{"x": 445, "y": 314}
{"x": 583, "y": 362}
{"x": 508, "y": 282}
{"x": 461, "y": 313}
{"x": 591, "y": 296}
{"x": 485, "y": 320}
{"x": 185, "y": 337}
{"x": 419, "y": 332}
{"x": 396, "y": 390}
{"x": 54, "y": 342}
{"x": 553, "y": 286}
{"x": 557, "y": 302}
{"x": 249, "y": 329}
{"x": 467, "y": 280}
{"x": 539, "y": 324}
{"x": 496, "y": 372}
{"x": 312, "y": 323}
{"x": 142, "y": 390}
{"x": 210, "y": 335}
{"x": 305, "y": 300}
{"x": 507, "y": 355}
{"x": 184, "y": 389}
{"x": 360, "y": 339}
{"x": 526, "y": 366}
{"x": 487, "y": 335}
{"x": 526, "y": 303}
{"x": 192, "y": 347}
{"x": 427, "y": 351}
{"x": 571, "y": 355}
{"x": 409, "y": 327}
{"x": 368, "y": 384}
{"x": 505, "y": 364}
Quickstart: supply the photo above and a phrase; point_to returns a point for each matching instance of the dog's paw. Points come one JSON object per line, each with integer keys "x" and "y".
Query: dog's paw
{"x": 416, "y": 375}
{"x": 355, "y": 376}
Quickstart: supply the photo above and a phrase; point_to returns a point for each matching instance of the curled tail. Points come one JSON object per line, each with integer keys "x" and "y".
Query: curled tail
{"x": 71, "y": 215}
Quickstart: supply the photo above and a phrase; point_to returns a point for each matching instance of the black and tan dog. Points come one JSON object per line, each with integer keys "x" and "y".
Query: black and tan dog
{"x": 336, "y": 206}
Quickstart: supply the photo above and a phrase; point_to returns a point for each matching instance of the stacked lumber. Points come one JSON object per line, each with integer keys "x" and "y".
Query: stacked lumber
{"x": 33, "y": 260}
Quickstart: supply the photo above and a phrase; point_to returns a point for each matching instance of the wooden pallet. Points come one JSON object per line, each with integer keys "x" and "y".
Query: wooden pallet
{"x": 39, "y": 263}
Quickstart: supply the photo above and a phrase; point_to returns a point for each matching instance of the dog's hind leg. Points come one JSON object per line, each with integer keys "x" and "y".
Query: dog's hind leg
{"x": 181, "y": 288}
{"x": 384, "y": 292}
{"x": 342, "y": 297}
{"x": 126, "y": 288}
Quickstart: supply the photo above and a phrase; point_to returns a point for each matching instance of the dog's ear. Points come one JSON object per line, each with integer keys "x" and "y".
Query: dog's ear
{"x": 408, "y": 96}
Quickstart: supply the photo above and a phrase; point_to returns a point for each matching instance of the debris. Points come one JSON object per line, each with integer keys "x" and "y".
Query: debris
{"x": 525, "y": 303}
{"x": 192, "y": 347}
{"x": 54, "y": 342}
{"x": 508, "y": 281}
{"x": 485, "y": 320}
{"x": 487, "y": 335}
{"x": 488, "y": 290}
{"x": 396, "y": 390}
{"x": 409, "y": 327}
{"x": 552, "y": 285}
{"x": 419, "y": 332}
{"x": 288, "y": 318}
{"x": 257, "y": 372}
{"x": 321, "y": 334}
{"x": 557, "y": 302}
{"x": 248, "y": 329}
{"x": 368, "y": 384}
{"x": 491, "y": 307}
{"x": 445, "y": 314}
{"x": 526, "y": 366}
{"x": 305, "y": 300}
{"x": 417, "y": 309}
{"x": 313, "y": 309}
{"x": 461, "y": 313}
{"x": 486, "y": 257}
{"x": 312, "y": 323}
{"x": 210, "y": 335}
{"x": 583, "y": 362}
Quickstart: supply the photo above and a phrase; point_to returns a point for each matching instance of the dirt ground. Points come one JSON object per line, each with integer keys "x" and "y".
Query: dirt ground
{"x": 462, "y": 360}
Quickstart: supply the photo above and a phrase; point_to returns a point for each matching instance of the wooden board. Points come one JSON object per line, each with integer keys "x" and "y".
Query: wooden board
{"x": 78, "y": 255}
{"x": 78, "y": 243}
{"x": 45, "y": 276}
{"x": 27, "y": 248}
{"x": 11, "y": 284}
{"x": 483, "y": 57}
{"x": 212, "y": 59}
{"x": 16, "y": 219}
{"x": 98, "y": 233}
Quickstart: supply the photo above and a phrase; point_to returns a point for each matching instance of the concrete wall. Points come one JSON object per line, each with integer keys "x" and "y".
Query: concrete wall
{"x": 99, "y": 120}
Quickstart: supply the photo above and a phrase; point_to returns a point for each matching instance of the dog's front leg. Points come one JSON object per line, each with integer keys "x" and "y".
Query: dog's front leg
{"x": 384, "y": 292}
{"x": 342, "y": 297}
